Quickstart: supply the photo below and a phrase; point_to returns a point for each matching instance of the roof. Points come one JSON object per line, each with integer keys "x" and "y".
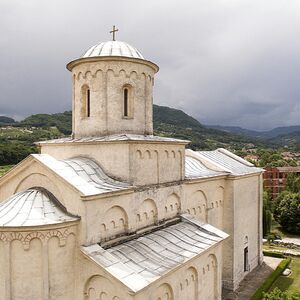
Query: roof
{"x": 33, "y": 207}
{"x": 195, "y": 169}
{"x": 139, "y": 262}
{"x": 114, "y": 138}
{"x": 82, "y": 173}
{"x": 224, "y": 160}
{"x": 113, "y": 48}
{"x": 289, "y": 169}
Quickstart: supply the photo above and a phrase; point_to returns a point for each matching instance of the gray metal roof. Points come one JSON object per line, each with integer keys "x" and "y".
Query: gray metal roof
{"x": 113, "y": 48}
{"x": 112, "y": 138}
{"x": 139, "y": 262}
{"x": 229, "y": 162}
{"x": 195, "y": 169}
{"x": 82, "y": 173}
{"x": 33, "y": 207}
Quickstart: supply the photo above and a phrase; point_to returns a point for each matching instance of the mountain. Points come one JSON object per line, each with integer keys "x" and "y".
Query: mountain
{"x": 290, "y": 141}
{"x": 237, "y": 130}
{"x": 63, "y": 121}
{"x": 278, "y": 131}
{"x": 269, "y": 134}
{"x": 176, "y": 123}
{"x": 17, "y": 140}
{"x": 6, "y": 120}
{"x": 172, "y": 116}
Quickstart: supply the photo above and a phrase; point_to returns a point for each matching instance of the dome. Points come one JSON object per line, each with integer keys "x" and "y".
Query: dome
{"x": 113, "y": 48}
{"x": 33, "y": 207}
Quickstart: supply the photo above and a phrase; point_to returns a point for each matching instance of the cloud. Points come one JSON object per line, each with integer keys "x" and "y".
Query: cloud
{"x": 225, "y": 62}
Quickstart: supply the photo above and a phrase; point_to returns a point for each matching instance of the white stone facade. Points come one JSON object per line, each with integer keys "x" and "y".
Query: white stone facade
{"x": 121, "y": 214}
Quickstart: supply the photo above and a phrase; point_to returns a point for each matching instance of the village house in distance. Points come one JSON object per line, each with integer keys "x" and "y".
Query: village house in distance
{"x": 113, "y": 212}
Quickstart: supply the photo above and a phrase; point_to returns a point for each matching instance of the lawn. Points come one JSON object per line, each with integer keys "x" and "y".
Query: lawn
{"x": 4, "y": 169}
{"x": 290, "y": 283}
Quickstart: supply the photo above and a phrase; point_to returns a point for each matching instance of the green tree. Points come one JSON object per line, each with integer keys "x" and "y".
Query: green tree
{"x": 267, "y": 215}
{"x": 287, "y": 211}
{"x": 293, "y": 183}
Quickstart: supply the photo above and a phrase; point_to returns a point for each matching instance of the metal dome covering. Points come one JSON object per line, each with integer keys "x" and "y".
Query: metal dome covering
{"x": 33, "y": 207}
{"x": 113, "y": 48}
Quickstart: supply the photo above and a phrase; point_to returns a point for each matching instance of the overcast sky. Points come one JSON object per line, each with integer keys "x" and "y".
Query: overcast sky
{"x": 227, "y": 62}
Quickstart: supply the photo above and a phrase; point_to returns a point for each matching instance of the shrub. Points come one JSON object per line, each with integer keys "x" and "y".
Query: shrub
{"x": 273, "y": 254}
{"x": 270, "y": 280}
{"x": 276, "y": 294}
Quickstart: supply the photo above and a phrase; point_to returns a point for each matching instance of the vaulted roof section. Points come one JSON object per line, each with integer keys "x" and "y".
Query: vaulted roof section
{"x": 220, "y": 161}
{"x": 82, "y": 173}
{"x": 141, "y": 261}
{"x": 33, "y": 207}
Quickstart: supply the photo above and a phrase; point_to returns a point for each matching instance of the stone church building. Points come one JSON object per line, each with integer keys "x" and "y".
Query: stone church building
{"x": 114, "y": 212}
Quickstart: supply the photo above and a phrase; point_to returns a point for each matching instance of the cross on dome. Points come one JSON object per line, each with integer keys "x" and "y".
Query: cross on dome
{"x": 113, "y": 31}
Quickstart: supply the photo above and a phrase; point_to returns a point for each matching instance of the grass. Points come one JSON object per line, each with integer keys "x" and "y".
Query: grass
{"x": 271, "y": 279}
{"x": 290, "y": 284}
{"x": 4, "y": 169}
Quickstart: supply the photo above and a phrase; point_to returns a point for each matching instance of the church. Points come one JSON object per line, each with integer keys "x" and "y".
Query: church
{"x": 114, "y": 212}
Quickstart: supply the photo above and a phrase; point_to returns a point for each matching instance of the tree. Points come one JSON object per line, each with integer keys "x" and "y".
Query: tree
{"x": 293, "y": 183}
{"x": 267, "y": 215}
{"x": 287, "y": 211}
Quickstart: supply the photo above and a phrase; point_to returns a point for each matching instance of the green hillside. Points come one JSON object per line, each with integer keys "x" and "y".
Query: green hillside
{"x": 62, "y": 121}
{"x": 176, "y": 123}
{"x": 290, "y": 141}
{"x": 17, "y": 139}
{"x": 6, "y": 120}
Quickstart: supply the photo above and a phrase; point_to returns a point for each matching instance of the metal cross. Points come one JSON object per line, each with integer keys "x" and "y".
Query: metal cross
{"x": 114, "y": 32}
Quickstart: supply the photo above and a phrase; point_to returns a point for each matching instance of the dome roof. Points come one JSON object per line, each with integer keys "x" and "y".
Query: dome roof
{"x": 113, "y": 48}
{"x": 33, "y": 207}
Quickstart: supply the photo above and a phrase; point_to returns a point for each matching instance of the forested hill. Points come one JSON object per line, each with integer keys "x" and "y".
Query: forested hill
{"x": 6, "y": 120}
{"x": 17, "y": 138}
{"x": 176, "y": 123}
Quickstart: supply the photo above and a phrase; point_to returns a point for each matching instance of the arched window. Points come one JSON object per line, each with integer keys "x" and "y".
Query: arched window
{"x": 127, "y": 102}
{"x": 85, "y": 102}
{"x": 88, "y": 103}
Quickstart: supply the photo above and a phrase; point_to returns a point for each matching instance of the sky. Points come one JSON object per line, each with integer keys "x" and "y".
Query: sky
{"x": 225, "y": 62}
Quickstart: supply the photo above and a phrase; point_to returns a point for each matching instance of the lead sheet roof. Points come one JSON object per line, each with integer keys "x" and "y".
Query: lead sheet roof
{"x": 139, "y": 262}
{"x": 83, "y": 173}
{"x": 113, "y": 138}
{"x": 33, "y": 207}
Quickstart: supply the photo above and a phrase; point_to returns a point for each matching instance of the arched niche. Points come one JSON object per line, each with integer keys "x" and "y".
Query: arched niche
{"x": 197, "y": 205}
{"x": 211, "y": 279}
{"x": 189, "y": 285}
{"x": 114, "y": 222}
{"x": 2, "y": 269}
{"x": 163, "y": 292}
{"x": 26, "y": 270}
{"x": 147, "y": 213}
{"x": 172, "y": 206}
{"x": 216, "y": 212}
{"x": 100, "y": 288}
{"x": 61, "y": 267}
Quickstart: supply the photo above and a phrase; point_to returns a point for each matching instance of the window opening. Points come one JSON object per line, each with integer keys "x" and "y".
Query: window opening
{"x": 125, "y": 102}
{"x": 88, "y": 103}
{"x": 246, "y": 265}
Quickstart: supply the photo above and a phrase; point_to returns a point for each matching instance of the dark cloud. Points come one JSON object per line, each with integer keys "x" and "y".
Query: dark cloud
{"x": 224, "y": 62}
